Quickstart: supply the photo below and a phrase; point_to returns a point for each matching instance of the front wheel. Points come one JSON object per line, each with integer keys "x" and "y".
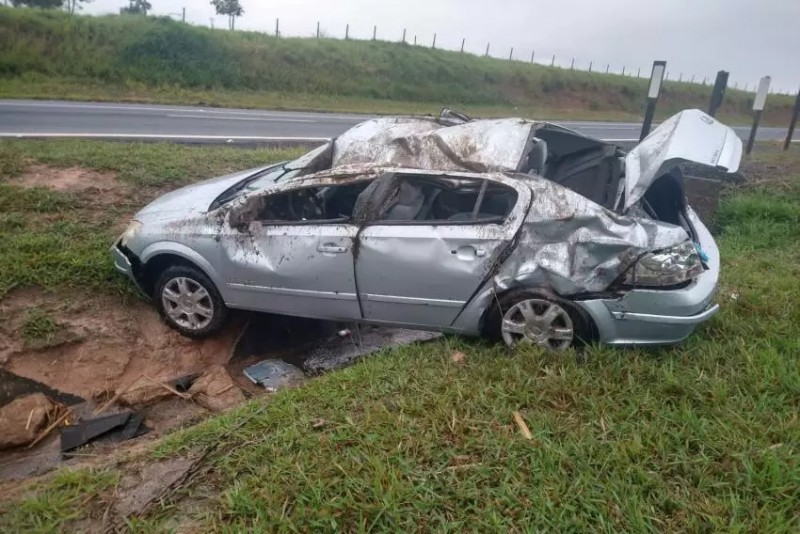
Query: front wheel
{"x": 526, "y": 316}
{"x": 189, "y": 302}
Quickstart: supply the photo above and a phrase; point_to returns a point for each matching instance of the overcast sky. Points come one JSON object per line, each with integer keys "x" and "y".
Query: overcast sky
{"x": 749, "y": 38}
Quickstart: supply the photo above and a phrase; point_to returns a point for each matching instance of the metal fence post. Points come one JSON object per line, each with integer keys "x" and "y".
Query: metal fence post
{"x": 718, "y": 93}
{"x": 623, "y": 70}
{"x": 183, "y": 15}
{"x": 277, "y": 28}
{"x": 487, "y": 50}
{"x": 590, "y": 66}
{"x": 404, "y": 35}
{"x": 790, "y": 132}
{"x": 533, "y": 52}
{"x": 511, "y": 54}
{"x": 572, "y": 64}
{"x": 553, "y": 62}
{"x": 347, "y": 32}
{"x": 317, "y": 29}
{"x": 607, "y": 67}
{"x": 374, "y": 32}
{"x": 758, "y": 108}
{"x": 656, "y": 78}
{"x": 463, "y": 39}
{"x": 638, "y": 72}
{"x": 434, "y": 41}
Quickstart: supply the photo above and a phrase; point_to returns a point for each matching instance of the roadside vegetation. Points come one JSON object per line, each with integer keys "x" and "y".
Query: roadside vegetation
{"x": 59, "y": 238}
{"x": 146, "y": 59}
{"x": 698, "y": 437}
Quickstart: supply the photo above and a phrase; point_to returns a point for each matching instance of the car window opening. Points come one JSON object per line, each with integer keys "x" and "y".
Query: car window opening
{"x": 423, "y": 198}
{"x": 311, "y": 204}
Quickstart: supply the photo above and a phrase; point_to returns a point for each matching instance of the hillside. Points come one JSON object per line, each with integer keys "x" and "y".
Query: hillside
{"x": 54, "y": 55}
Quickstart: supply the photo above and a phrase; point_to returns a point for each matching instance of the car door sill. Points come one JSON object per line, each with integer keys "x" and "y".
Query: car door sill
{"x": 413, "y": 300}
{"x": 294, "y": 292}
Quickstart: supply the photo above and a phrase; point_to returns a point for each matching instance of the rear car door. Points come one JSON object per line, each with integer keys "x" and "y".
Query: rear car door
{"x": 432, "y": 243}
{"x": 293, "y": 253}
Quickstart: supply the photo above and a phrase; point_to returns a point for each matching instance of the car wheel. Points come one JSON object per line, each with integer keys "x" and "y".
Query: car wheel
{"x": 526, "y": 316}
{"x": 189, "y": 302}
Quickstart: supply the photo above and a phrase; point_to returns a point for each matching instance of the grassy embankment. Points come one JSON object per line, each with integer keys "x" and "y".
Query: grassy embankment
{"x": 53, "y": 55}
{"x": 700, "y": 437}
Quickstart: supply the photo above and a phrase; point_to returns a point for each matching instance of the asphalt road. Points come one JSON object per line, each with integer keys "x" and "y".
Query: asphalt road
{"x": 41, "y": 119}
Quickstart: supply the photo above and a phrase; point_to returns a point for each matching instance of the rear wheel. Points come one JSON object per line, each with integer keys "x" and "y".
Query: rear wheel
{"x": 189, "y": 302}
{"x": 526, "y": 316}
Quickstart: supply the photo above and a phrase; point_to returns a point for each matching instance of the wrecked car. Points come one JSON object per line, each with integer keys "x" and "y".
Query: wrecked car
{"x": 521, "y": 230}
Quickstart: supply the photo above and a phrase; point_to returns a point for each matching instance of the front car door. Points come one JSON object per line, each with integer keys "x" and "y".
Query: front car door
{"x": 433, "y": 243}
{"x": 294, "y": 253}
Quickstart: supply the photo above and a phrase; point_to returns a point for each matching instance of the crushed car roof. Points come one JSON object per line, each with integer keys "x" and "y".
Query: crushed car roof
{"x": 427, "y": 143}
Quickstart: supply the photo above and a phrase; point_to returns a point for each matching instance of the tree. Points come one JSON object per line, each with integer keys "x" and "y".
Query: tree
{"x": 232, "y": 8}
{"x": 71, "y": 5}
{"x": 44, "y": 4}
{"x": 136, "y": 7}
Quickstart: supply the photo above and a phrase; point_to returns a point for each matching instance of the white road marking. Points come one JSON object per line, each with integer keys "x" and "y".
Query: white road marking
{"x": 163, "y": 136}
{"x": 166, "y": 109}
{"x": 217, "y": 118}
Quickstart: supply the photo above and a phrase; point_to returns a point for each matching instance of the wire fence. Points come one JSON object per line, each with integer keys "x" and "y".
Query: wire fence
{"x": 526, "y": 55}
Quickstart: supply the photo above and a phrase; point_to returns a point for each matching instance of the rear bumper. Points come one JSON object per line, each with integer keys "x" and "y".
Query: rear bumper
{"x": 655, "y": 317}
{"x": 636, "y": 328}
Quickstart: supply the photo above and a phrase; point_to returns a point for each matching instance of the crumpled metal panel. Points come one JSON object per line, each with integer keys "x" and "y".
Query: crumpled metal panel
{"x": 572, "y": 245}
{"x": 423, "y": 143}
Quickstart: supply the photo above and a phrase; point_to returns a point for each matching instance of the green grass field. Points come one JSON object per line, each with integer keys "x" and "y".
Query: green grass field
{"x": 702, "y": 437}
{"x": 147, "y": 59}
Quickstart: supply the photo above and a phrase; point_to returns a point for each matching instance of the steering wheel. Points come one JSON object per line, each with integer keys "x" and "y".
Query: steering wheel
{"x": 311, "y": 208}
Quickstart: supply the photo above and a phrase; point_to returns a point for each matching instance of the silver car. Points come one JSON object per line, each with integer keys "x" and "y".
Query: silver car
{"x": 520, "y": 230}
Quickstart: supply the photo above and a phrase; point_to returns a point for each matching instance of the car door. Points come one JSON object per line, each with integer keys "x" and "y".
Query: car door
{"x": 295, "y": 263}
{"x": 417, "y": 267}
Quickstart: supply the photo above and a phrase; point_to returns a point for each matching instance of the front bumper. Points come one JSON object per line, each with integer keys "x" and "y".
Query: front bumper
{"x": 124, "y": 265}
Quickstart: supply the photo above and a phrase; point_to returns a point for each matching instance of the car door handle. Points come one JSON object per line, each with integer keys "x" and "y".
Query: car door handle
{"x": 331, "y": 248}
{"x": 468, "y": 252}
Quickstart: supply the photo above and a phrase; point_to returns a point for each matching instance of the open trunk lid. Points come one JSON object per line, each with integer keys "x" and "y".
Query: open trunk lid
{"x": 690, "y": 135}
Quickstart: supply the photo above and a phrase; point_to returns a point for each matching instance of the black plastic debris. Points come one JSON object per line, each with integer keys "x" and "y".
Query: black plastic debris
{"x": 119, "y": 427}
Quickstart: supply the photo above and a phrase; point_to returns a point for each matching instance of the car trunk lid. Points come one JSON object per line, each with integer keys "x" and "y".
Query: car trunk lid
{"x": 689, "y": 136}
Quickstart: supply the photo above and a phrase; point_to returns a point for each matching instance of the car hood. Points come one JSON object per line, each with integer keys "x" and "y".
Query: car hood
{"x": 689, "y": 136}
{"x": 192, "y": 199}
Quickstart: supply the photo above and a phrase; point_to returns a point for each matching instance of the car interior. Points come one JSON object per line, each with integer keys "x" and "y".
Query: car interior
{"x": 326, "y": 203}
{"x": 406, "y": 198}
{"x": 415, "y": 198}
{"x": 588, "y": 166}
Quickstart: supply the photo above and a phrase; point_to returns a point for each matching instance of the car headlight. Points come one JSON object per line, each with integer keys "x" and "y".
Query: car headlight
{"x": 133, "y": 228}
{"x": 667, "y": 267}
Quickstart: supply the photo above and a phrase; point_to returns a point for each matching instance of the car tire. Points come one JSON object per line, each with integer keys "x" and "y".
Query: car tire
{"x": 189, "y": 302}
{"x": 538, "y": 317}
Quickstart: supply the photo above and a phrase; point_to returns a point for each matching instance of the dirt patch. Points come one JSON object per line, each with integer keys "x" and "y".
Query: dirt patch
{"x": 72, "y": 179}
{"x": 115, "y": 342}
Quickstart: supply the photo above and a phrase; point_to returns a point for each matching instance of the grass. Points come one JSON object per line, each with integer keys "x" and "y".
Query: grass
{"x": 64, "y": 500}
{"x": 698, "y": 437}
{"x": 148, "y": 59}
{"x": 59, "y": 239}
{"x": 39, "y": 329}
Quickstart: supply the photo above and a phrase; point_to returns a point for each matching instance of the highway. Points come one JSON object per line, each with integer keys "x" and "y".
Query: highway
{"x": 46, "y": 119}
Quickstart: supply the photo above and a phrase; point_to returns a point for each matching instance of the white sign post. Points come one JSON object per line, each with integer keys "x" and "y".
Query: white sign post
{"x": 758, "y": 107}
{"x": 656, "y": 78}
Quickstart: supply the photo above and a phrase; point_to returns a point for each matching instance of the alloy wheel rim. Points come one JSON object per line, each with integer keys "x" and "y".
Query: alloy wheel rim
{"x": 187, "y": 303}
{"x": 539, "y": 322}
